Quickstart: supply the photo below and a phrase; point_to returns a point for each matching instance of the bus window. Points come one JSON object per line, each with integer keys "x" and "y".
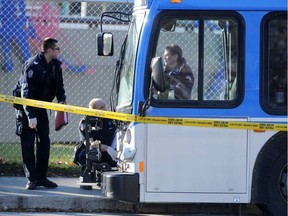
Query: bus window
{"x": 274, "y": 64}
{"x": 174, "y": 34}
{"x": 209, "y": 50}
{"x": 220, "y": 59}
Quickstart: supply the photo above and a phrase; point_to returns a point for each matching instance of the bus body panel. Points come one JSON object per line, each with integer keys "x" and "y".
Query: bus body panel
{"x": 238, "y": 155}
{"x": 226, "y": 174}
{"x": 189, "y": 154}
{"x": 199, "y": 164}
{"x": 222, "y": 5}
{"x": 195, "y": 198}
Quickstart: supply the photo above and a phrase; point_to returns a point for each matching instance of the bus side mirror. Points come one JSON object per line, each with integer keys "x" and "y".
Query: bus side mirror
{"x": 105, "y": 44}
{"x": 158, "y": 74}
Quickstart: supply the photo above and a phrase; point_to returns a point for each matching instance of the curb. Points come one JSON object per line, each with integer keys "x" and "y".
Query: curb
{"x": 69, "y": 197}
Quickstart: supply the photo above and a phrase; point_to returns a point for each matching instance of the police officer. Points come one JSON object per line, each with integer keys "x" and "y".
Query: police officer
{"x": 41, "y": 80}
{"x": 103, "y": 130}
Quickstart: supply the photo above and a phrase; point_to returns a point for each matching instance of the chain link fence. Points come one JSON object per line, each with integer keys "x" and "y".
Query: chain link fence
{"x": 23, "y": 25}
{"x": 75, "y": 24}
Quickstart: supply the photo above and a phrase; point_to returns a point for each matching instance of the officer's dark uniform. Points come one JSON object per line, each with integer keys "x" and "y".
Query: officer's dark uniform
{"x": 102, "y": 130}
{"x": 40, "y": 81}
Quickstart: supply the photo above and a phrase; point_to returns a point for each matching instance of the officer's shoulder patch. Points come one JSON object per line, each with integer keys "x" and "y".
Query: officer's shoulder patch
{"x": 30, "y": 73}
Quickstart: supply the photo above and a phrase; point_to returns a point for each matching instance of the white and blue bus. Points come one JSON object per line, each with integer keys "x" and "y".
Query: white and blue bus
{"x": 237, "y": 51}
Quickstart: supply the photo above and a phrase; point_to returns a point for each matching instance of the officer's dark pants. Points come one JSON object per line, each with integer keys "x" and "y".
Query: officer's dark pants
{"x": 36, "y": 167}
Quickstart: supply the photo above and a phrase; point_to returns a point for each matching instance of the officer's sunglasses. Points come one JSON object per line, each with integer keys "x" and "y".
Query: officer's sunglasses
{"x": 57, "y": 48}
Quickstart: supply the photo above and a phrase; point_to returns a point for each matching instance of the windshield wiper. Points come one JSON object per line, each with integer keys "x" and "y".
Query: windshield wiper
{"x": 117, "y": 74}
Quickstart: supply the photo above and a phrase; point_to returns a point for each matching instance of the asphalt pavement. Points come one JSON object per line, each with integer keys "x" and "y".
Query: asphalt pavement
{"x": 69, "y": 197}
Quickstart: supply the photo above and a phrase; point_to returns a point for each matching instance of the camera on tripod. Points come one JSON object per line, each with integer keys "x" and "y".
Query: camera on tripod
{"x": 96, "y": 130}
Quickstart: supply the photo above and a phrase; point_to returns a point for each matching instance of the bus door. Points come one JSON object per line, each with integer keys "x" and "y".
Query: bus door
{"x": 197, "y": 159}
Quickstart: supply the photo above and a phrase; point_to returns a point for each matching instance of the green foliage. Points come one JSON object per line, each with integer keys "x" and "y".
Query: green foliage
{"x": 60, "y": 163}
{"x": 10, "y": 152}
{"x": 61, "y": 153}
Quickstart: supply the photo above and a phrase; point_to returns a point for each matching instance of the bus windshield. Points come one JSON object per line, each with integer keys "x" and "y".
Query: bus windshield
{"x": 127, "y": 62}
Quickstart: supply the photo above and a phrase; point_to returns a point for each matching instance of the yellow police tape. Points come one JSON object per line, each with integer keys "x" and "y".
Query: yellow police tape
{"x": 146, "y": 119}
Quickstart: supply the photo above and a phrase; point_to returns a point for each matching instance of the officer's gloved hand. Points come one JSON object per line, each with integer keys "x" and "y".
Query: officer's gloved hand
{"x": 32, "y": 123}
{"x": 112, "y": 153}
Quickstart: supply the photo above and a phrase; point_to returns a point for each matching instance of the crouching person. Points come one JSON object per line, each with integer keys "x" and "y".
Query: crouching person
{"x": 101, "y": 136}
